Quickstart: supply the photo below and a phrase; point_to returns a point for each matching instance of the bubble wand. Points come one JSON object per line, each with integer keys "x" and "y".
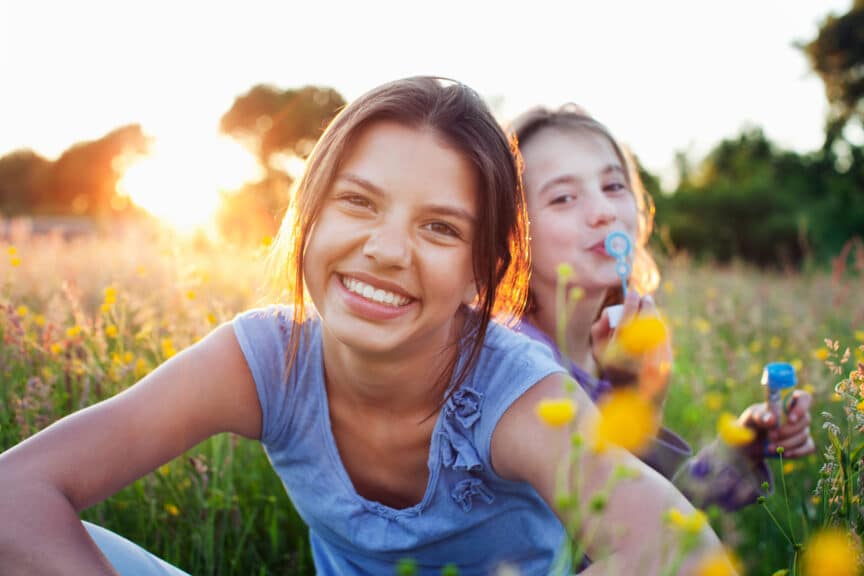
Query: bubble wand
{"x": 619, "y": 246}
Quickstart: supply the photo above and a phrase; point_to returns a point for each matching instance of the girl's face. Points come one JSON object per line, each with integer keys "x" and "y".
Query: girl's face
{"x": 389, "y": 259}
{"x": 577, "y": 193}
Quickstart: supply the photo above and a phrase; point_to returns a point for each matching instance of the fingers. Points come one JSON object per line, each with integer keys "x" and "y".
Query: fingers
{"x": 790, "y": 443}
{"x": 809, "y": 447}
{"x": 758, "y": 417}
{"x": 799, "y": 406}
{"x": 790, "y": 429}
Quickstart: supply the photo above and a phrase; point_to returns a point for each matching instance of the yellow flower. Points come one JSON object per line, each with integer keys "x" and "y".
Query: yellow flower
{"x": 39, "y": 319}
{"x": 859, "y": 335}
{"x": 719, "y": 564}
{"x": 164, "y": 470}
{"x": 111, "y": 331}
{"x": 692, "y": 523}
{"x": 775, "y": 342}
{"x": 755, "y": 346}
{"x": 56, "y": 348}
{"x": 22, "y": 311}
{"x": 627, "y": 419}
{"x": 565, "y": 271}
{"x": 575, "y": 294}
{"x": 797, "y": 364}
{"x": 713, "y": 401}
{"x": 211, "y": 319}
{"x": 556, "y": 412}
{"x": 172, "y": 509}
{"x": 789, "y": 467}
{"x": 642, "y": 334}
{"x": 73, "y": 331}
{"x": 191, "y": 295}
{"x": 809, "y": 388}
{"x": 128, "y": 357}
{"x": 12, "y": 250}
{"x": 821, "y": 353}
{"x": 830, "y": 552}
{"x": 266, "y": 241}
{"x": 110, "y": 294}
{"x": 168, "y": 348}
{"x": 860, "y": 406}
{"x": 141, "y": 368}
{"x": 733, "y": 433}
{"x": 702, "y": 325}
{"x": 668, "y": 287}
{"x": 15, "y": 261}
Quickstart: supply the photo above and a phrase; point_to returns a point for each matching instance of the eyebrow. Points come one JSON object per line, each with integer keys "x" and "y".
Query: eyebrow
{"x": 573, "y": 179}
{"x": 442, "y": 209}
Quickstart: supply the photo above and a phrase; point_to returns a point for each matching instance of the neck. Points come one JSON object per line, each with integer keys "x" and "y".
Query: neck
{"x": 577, "y": 331}
{"x": 400, "y": 382}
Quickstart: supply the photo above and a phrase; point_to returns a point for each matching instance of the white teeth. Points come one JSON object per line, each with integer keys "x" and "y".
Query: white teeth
{"x": 375, "y": 294}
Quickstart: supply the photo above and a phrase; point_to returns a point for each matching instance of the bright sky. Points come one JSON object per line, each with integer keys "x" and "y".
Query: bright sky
{"x": 664, "y": 75}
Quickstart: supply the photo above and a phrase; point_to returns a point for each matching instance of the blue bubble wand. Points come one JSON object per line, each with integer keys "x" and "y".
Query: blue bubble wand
{"x": 618, "y": 245}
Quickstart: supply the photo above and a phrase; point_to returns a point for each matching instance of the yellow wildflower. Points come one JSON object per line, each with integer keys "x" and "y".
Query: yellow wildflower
{"x": 73, "y": 331}
{"x": 775, "y": 342}
{"x": 859, "y": 335}
{"x": 556, "y": 412}
{"x": 266, "y": 241}
{"x": 627, "y": 419}
{"x": 191, "y": 295}
{"x": 713, "y": 401}
{"x": 111, "y": 331}
{"x": 755, "y": 346}
{"x": 668, "y": 287}
{"x": 141, "y": 368}
{"x": 860, "y": 406}
{"x": 830, "y": 552}
{"x": 641, "y": 334}
{"x": 211, "y": 319}
{"x": 733, "y": 433}
{"x": 789, "y": 467}
{"x": 22, "y": 311}
{"x": 39, "y": 320}
{"x": 56, "y": 348}
{"x": 821, "y": 353}
{"x": 12, "y": 250}
{"x": 168, "y": 349}
{"x": 692, "y": 523}
{"x": 719, "y": 564}
{"x": 128, "y": 357}
{"x": 797, "y": 364}
{"x": 702, "y": 325}
{"x": 15, "y": 261}
{"x": 105, "y": 308}
{"x": 809, "y": 388}
{"x": 164, "y": 470}
{"x": 110, "y": 295}
{"x": 172, "y": 509}
{"x": 565, "y": 271}
{"x": 575, "y": 294}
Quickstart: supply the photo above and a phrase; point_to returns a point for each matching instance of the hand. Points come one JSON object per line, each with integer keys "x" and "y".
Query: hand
{"x": 794, "y": 435}
{"x": 651, "y": 371}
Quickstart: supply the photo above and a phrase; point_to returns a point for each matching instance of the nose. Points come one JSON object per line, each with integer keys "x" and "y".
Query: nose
{"x": 599, "y": 211}
{"x": 389, "y": 245}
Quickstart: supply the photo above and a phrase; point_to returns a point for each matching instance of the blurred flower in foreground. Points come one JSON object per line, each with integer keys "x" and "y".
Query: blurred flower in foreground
{"x": 641, "y": 335}
{"x": 719, "y": 564}
{"x": 691, "y": 523}
{"x": 627, "y": 419}
{"x": 556, "y": 412}
{"x": 830, "y": 552}
{"x": 733, "y": 433}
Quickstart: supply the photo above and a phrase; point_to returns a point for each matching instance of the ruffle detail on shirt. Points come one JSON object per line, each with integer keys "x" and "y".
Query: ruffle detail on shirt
{"x": 461, "y": 412}
{"x": 465, "y": 491}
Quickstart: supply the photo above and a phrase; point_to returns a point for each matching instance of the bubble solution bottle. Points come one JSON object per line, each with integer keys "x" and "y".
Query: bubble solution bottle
{"x": 779, "y": 380}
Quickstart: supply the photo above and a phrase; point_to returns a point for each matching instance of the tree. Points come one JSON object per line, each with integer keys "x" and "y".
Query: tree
{"x": 837, "y": 55}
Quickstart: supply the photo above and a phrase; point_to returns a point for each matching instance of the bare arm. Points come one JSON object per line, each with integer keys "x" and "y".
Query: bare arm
{"x": 629, "y": 534}
{"x": 87, "y": 456}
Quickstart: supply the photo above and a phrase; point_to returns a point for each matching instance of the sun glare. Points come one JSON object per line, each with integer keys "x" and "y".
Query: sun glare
{"x": 182, "y": 179}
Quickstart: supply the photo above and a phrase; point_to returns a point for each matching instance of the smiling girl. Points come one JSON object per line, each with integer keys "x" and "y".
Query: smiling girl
{"x": 399, "y": 418}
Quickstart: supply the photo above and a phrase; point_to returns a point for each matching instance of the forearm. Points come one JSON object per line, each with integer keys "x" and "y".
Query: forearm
{"x": 40, "y": 533}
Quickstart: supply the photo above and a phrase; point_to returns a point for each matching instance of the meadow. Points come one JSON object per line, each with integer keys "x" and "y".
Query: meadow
{"x": 83, "y": 318}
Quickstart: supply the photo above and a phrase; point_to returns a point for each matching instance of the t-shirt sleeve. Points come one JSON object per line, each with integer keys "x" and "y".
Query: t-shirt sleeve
{"x": 263, "y": 335}
{"x": 511, "y": 364}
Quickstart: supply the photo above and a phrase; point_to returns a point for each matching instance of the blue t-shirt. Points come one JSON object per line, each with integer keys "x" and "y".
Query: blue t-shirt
{"x": 469, "y": 516}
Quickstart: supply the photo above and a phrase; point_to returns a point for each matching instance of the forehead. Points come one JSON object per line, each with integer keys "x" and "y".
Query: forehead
{"x": 554, "y": 151}
{"x": 399, "y": 158}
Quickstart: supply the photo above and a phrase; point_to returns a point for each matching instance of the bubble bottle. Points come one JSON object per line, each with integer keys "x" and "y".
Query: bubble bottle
{"x": 779, "y": 380}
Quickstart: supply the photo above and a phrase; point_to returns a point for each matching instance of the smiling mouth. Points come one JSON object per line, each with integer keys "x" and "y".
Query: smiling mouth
{"x": 374, "y": 294}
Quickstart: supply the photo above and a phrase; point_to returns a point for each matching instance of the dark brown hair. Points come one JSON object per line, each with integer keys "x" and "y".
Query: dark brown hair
{"x": 457, "y": 115}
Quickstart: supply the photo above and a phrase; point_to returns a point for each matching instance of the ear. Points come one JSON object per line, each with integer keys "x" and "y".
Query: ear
{"x": 470, "y": 293}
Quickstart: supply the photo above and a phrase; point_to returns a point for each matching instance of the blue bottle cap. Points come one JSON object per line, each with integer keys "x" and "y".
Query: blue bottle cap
{"x": 779, "y": 375}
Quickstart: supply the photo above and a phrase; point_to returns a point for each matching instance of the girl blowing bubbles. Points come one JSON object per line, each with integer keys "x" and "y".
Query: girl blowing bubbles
{"x": 580, "y": 185}
{"x": 400, "y": 419}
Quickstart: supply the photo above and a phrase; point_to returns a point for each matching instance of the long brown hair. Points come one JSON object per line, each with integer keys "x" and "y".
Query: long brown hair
{"x": 459, "y": 116}
{"x": 645, "y": 276}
